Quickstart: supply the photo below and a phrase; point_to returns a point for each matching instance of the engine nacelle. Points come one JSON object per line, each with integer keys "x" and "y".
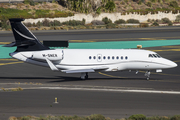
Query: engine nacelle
{"x": 52, "y": 55}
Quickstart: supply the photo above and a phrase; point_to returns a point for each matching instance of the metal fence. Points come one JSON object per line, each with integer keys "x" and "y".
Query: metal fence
{"x": 10, "y": 1}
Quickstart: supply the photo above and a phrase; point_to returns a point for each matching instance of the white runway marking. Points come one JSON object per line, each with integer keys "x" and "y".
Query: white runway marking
{"x": 90, "y": 88}
{"x": 111, "y": 90}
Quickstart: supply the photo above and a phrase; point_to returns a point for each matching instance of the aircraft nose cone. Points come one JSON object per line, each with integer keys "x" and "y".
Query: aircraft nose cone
{"x": 173, "y": 64}
{"x": 169, "y": 63}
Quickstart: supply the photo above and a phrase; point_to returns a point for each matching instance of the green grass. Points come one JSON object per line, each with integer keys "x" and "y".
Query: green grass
{"x": 154, "y": 11}
{"x": 15, "y": 13}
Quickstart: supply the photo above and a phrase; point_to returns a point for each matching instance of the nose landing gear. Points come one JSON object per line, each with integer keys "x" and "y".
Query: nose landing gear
{"x": 147, "y": 74}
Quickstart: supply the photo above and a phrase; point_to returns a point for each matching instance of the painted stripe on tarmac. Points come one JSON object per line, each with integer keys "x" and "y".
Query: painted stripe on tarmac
{"x": 109, "y": 90}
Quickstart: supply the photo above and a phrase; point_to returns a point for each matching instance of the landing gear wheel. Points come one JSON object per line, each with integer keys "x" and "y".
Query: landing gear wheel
{"x": 84, "y": 76}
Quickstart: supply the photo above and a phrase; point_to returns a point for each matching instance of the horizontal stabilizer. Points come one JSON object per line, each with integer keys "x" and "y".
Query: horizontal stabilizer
{"x": 10, "y": 45}
{"x": 51, "y": 65}
{"x": 24, "y": 43}
{"x": 78, "y": 71}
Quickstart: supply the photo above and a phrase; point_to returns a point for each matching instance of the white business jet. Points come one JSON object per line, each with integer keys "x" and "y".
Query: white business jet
{"x": 31, "y": 50}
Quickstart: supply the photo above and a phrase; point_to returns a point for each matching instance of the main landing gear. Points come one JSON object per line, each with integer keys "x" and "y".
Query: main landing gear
{"x": 147, "y": 74}
{"x": 84, "y": 76}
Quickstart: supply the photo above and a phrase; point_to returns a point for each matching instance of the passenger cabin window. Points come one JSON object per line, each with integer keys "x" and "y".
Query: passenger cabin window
{"x": 122, "y": 57}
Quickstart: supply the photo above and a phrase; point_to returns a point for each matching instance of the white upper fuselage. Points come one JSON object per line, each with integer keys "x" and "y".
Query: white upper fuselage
{"x": 97, "y": 59}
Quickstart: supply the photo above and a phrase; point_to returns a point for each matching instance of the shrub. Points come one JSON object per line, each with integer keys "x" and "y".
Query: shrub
{"x": 157, "y": 20}
{"x": 120, "y": 21}
{"x": 170, "y": 23}
{"x": 160, "y": 1}
{"x": 46, "y": 22}
{"x": 138, "y": 117}
{"x": 96, "y": 117}
{"x": 176, "y": 117}
{"x": 98, "y": 11}
{"x": 132, "y": 21}
{"x": 165, "y": 20}
{"x": 173, "y": 4}
{"x": 73, "y": 22}
{"x": 57, "y": 23}
{"x": 177, "y": 18}
{"x": 97, "y": 22}
{"x": 83, "y": 21}
{"x": 149, "y": 4}
{"x": 65, "y": 23}
{"x": 106, "y": 20}
{"x": 139, "y": 2}
{"x": 28, "y": 24}
{"x": 155, "y": 24}
{"x": 5, "y": 24}
{"x": 54, "y": 1}
{"x": 110, "y": 25}
{"x": 153, "y": 1}
{"x": 39, "y": 24}
{"x": 110, "y": 6}
{"x": 149, "y": 20}
{"x": 158, "y": 118}
{"x": 144, "y": 25}
{"x": 30, "y": 2}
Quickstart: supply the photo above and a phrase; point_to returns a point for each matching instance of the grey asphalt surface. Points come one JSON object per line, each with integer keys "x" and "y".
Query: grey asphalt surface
{"x": 36, "y": 100}
{"x": 103, "y": 35}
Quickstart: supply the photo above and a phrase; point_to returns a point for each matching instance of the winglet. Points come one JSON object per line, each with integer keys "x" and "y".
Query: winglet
{"x": 51, "y": 65}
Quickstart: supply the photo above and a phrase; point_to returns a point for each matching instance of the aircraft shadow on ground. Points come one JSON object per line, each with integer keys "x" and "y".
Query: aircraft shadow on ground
{"x": 70, "y": 79}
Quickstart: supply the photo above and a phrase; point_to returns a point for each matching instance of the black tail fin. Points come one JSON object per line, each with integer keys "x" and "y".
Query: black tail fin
{"x": 25, "y": 40}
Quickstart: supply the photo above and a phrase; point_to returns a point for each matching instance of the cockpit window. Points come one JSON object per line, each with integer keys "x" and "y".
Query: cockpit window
{"x": 158, "y": 55}
{"x": 154, "y": 55}
{"x": 150, "y": 55}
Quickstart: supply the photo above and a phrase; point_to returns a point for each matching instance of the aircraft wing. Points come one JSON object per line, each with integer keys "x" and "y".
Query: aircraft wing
{"x": 84, "y": 70}
{"x": 54, "y": 68}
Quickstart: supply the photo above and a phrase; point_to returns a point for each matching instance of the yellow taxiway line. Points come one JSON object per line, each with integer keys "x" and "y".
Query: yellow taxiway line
{"x": 10, "y": 63}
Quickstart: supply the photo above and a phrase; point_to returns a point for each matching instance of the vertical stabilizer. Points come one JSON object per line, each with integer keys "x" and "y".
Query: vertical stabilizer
{"x": 24, "y": 39}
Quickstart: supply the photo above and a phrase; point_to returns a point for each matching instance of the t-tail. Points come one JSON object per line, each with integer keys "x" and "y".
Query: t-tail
{"x": 24, "y": 39}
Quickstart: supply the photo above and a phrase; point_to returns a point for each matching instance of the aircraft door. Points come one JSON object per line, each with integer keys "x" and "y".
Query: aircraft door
{"x": 99, "y": 57}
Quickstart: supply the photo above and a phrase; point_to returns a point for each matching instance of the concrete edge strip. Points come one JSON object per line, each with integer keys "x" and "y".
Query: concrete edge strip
{"x": 109, "y": 90}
